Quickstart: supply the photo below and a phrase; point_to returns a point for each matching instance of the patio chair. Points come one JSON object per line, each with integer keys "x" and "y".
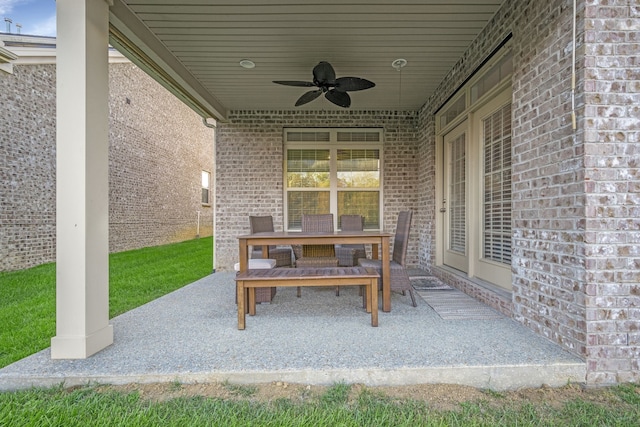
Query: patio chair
{"x": 260, "y": 224}
{"x": 398, "y": 274}
{"x": 348, "y": 255}
{"x": 316, "y": 255}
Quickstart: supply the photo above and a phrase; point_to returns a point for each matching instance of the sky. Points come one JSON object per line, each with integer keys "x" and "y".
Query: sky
{"x": 38, "y": 17}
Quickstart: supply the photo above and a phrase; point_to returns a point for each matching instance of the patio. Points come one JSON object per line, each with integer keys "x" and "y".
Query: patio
{"x": 191, "y": 336}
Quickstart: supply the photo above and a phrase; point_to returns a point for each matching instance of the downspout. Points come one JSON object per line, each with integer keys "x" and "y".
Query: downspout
{"x": 213, "y": 190}
{"x": 573, "y": 71}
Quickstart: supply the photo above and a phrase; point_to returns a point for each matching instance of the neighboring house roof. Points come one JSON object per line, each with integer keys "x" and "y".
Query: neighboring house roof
{"x": 16, "y": 49}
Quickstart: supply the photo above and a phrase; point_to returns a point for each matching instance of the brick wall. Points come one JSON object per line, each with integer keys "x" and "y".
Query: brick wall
{"x": 548, "y": 183}
{"x": 27, "y": 166}
{"x": 610, "y": 80}
{"x": 158, "y": 148}
{"x": 249, "y": 175}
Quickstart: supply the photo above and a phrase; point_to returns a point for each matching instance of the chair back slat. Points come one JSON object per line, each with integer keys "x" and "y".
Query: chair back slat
{"x": 351, "y": 222}
{"x": 318, "y": 223}
{"x": 401, "y": 239}
{"x": 261, "y": 224}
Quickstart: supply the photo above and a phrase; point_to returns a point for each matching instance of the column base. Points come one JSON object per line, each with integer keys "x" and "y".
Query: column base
{"x": 81, "y": 347}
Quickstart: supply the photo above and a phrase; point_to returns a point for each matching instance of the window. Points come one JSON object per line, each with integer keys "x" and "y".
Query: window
{"x": 333, "y": 171}
{"x": 206, "y": 179}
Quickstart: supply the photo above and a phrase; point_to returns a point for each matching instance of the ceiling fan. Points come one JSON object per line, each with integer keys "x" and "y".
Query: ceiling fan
{"x": 334, "y": 89}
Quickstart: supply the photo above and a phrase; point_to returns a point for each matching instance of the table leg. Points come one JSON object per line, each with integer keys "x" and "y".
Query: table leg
{"x": 252, "y": 301}
{"x": 373, "y": 291}
{"x": 243, "y": 253}
{"x": 367, "y": 297}
{"x": 386, "y": 276}
{"x": 241, "y": 296}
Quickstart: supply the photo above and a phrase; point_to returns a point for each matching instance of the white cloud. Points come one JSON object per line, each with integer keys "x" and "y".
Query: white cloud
{"x": 6, "y": 6}
{"x": 46, "y": 27}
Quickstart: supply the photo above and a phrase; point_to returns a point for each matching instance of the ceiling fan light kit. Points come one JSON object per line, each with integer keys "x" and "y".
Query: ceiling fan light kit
{"x": 334, "y": 89}
{"x": 247, "y": 63}
{"x": 398, "y": 64}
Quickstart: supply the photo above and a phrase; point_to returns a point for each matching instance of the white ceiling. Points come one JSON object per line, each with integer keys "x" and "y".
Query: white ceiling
{"x": 287, "y": 38}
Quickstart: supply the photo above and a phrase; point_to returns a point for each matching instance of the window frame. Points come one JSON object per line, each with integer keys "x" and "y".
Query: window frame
{"x": 333, "y": 144}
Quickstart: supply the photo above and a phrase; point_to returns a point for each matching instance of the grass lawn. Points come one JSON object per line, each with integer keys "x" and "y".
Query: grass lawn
{"x": 339, "y": 405}
{"x": 28, "y": 297}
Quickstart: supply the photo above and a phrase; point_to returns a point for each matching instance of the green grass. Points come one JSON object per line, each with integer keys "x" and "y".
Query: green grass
{"x": 27, "y": 297}
{"x": 93, "y": 406}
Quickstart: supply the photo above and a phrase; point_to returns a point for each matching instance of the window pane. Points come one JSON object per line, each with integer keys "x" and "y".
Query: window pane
{"x": 365, "y": 203}
{"x": 362, "y": 136}
{"x": 358, "y": 168}
{"x": 305, "y": 202}
{"x": 322, "y": 136}
{"x": 453, "y": 111}
{"x": 497, "y": 186}
{"x": 308, "y": 168}
{"x": 206, "y": 178}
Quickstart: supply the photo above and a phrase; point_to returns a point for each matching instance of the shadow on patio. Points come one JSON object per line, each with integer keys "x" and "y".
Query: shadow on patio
{"x": 191, "y": 335}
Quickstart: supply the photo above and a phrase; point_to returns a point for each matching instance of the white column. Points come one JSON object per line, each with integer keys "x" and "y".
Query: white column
{"x": 82, "y": 219}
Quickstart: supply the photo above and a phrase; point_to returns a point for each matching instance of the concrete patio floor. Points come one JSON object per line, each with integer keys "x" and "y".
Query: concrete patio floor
{"x": 191, "y": 336}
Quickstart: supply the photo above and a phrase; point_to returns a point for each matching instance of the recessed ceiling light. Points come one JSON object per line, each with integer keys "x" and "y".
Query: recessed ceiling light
{"x": 247, "y": 63}
{"x": 399, "y": 63}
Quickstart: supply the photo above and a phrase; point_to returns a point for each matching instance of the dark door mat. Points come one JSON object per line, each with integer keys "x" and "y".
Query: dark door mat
{"x": 428, "y": 283}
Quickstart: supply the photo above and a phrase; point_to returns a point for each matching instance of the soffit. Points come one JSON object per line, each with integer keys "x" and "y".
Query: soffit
{"x": 201, "y": 42}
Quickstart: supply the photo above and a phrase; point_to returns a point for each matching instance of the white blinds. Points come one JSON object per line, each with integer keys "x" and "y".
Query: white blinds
{"x": 497, "y": 186}
{"x": 457, "y": 193}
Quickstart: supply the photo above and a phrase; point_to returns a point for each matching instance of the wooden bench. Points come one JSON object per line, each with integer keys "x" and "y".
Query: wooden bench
{"x": 248, "y": 281}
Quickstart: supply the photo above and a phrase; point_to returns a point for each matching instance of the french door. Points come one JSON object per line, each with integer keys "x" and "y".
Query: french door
{"x": 454, "y": 205}
{"x": 476, "y": 193}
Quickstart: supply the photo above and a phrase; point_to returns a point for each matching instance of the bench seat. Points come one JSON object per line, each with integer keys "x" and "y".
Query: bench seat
{"x": 249, "y": 280}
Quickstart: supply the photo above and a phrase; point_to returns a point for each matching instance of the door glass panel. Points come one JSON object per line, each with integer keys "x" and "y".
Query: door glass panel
{"x": 457, "y": 195}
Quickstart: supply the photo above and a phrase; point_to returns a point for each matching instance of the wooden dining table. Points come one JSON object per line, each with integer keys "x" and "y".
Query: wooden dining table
{"x": 378, "y": 240}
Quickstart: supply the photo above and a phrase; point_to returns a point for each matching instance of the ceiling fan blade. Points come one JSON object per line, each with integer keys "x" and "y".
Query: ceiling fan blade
{"x": 294, "y": 83}
{"x": 323, "y": 73}
{"x": 341, "y": 99}
{"x": 349, "y": 84}
{"x": 308, "y": 97}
